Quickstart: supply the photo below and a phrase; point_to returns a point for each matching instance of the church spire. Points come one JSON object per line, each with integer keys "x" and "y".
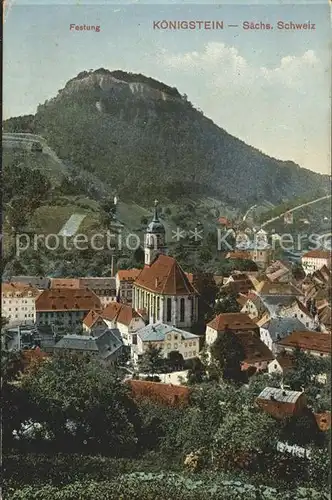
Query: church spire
{"x": 155, "y": 216}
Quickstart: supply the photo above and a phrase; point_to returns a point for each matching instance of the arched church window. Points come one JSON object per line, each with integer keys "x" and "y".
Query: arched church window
{"x": 169, "y": 309}
{"x": 182, "y": 310}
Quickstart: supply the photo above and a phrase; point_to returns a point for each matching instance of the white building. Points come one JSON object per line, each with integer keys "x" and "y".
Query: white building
{"x": 168, "y": 339}
{"x": 126, "y": 319}
{"x": 18, "y": 302}
{"x": 274, "y": 329}
{"x": 315, "y": 259}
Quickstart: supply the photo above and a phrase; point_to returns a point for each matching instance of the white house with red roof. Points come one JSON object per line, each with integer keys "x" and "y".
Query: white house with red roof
{"x": 125, "y": 319}
{"x": 315, "y": 259}
{"x": 162, "y": 288}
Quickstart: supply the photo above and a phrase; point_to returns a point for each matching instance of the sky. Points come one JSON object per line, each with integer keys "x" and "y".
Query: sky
{"x": 269, "y": 88}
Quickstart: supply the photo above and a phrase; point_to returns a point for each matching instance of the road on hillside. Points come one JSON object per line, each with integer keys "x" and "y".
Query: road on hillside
{"x": 296, "y": 208}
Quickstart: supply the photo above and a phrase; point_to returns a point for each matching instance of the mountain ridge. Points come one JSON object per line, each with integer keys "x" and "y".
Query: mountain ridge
{"x": 144, "y": 139}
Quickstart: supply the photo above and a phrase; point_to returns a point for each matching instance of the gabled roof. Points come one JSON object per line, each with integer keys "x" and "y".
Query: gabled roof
{"x": 158, "y": 331}
{"x": 121, "y": 313}
{"x": 282, "y": 327}
{"x": 232, "y": 321}
{"x": 308, "y": 340}
{"x": 280, "y": 395}
{"x": 67, "y": 299}
{"x": 166, "y": 277}
{"x": 105, "y": 345}
{"x": 92, "y": 317}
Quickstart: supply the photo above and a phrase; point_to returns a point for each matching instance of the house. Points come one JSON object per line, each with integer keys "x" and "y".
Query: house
{"x": 258, "y": 305}
{"x": 107, "y": 347}
{"x": 324, "y": 318}
{"x": 126, "y": 319}
{"x": 125, "y": 279}
{"x": 238, "y": 283}
{"x": 168, "y": 339}
{"x": 235, "y": 322}
{"x": 315, "y": 259}
{"x": 297, "y": 310}
{"x": 280, "y": 272}
{"x": 257, "y": 354}
{"x": 18, "y": 302}
{"x": 163, "y": 394}
{"x": 283, "y": 363}
{"x": 39, "y": 282}
{"x": 94, "y": 323}
{"x": 274, "y": 329}
{"x": 104, "y": 288}
{"x": 315, "y": 343}
{"x": 280, "y": 403}
{"x": 65, "y": 306}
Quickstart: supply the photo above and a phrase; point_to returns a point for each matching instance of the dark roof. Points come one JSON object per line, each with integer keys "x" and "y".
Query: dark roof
{"x": 105, "y": 345}
{"x": 39, "y": 282}
{"x": 282, "y": 326}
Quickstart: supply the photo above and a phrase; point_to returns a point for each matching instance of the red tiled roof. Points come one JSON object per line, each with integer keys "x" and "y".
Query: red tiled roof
{"x": 164, "y": 394}
{"x": 20, "y": 288}
{"x": 92, "y": 317}
{"x": 128, "y": 274}
{"x": 67, "y": 299}
{"x": 122, "y": 313}
{"x": 317, "y": 254}
{"x": 165, "y": 276}
{"x": 311, "y": 341}
{"x": 254, "y": 348}
{"x": 238, "y": 255}
{"x": 65, "y": 283}
{"x": 232, "y": 321}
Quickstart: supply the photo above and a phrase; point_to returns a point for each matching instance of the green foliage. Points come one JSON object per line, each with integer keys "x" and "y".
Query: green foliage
{"x": 151, "y": 360}
{"x": 226, "y": 303}
{"x": 228, "y": 353}
{"x": 83, "y": 405}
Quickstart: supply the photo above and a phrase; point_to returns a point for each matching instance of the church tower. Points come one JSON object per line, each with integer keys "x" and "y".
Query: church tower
{"x": 154, "y": 243}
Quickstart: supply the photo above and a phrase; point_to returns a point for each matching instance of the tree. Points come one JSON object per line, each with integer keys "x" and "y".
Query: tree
{"x": 197, "y": 372}
{"x": 151, "y": 360}
{"x": 83, "y": 405}
{"x": 228, "y": 353}
{"x": 226, "y": 303}
{"x": 243, "y": 436}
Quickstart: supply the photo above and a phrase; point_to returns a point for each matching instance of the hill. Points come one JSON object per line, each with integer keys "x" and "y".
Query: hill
{"x": 142, "y": 139}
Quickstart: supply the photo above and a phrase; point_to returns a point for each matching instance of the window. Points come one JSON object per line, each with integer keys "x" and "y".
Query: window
{"x": 185, "y": 344}
{"x": 275, "y": 366}
{"x": 168, "y": 346}
{"x": 182, "y": 306}
{"x": 175, "y": 346}
{"x": 190, "y": 344}
{"x": 194, "y": 353}
{"x": 169, "y": 337}
{"x": 175, "y": 337}
{"x": 169, "y": 310}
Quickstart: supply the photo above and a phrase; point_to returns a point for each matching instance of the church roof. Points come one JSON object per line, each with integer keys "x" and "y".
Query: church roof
{"x": 165, "y": 276}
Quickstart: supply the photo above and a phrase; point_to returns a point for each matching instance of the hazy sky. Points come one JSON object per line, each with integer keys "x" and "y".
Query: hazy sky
{"x": 269, "y": 88}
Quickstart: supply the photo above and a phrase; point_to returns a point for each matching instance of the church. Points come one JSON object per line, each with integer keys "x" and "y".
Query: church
{"x": 162, "y": 288}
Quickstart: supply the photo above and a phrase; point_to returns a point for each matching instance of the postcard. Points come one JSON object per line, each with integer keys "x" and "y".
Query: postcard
{"x": 166, "y": 249}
